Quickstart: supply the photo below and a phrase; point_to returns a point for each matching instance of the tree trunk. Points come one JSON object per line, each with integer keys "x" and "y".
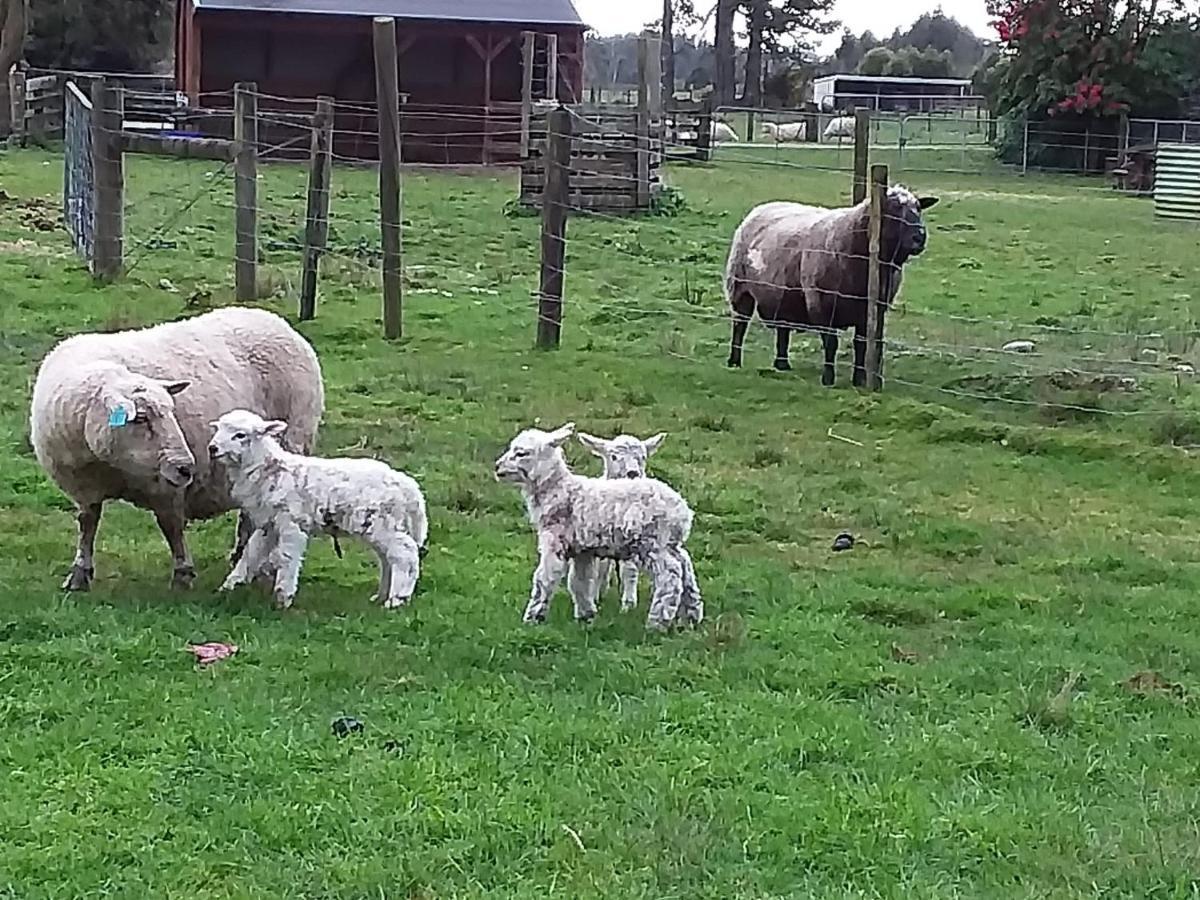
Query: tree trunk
{"x": 724, "y": 52}
{"x": 752, "y": 91}
{"x": 668, "y": 52}
{"x": 13, "y": 22}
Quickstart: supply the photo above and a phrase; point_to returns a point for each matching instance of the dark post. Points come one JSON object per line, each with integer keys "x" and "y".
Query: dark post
{"x": 16, "y": 88}
{"x": 704, "y": 135}
{"x": 387, "y": 92}
{"x": 862, "y": 153}
{"x": 875, "y": 306}
{"x": 245, "y": 190}
{"x": 108, "y": 166}
{"x": 555, "y": 197}
{"x": 316, "y": 228}
{"x": 527, "y": 39}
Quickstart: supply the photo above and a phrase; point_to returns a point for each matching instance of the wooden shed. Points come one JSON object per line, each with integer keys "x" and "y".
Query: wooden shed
{"x": 461, "y": 65}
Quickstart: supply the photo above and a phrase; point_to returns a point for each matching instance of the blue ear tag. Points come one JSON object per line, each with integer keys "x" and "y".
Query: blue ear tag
{"x": 118, "y": 417}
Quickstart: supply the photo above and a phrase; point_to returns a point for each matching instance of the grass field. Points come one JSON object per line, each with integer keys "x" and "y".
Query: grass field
{"x": 944, "y": 711}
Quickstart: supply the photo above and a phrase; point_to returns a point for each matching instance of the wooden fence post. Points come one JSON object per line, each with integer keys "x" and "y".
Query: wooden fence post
{"x": 245, "y": 190}
{"x": 862, "y": 153}
{"x": 704, "y": 131}
{"x": 387, "y": 90}
{"x": 316, "y": 228}
{"x": 526, "y": 89}
{"x": 875, "y": 303}
{"x": 16, "y": 87}
{"x": 108, "y": 167}
{"x": 556, "y": 195}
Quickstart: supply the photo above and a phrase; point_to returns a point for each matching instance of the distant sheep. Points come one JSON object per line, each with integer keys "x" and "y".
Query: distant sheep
{"x": 785, "y": 132}
{"x": 581, "y": 520}
{"x": 624, "y": 456}
{"x": 723, "y": 134}
{"x": 840, "y": 127}
{"x": 125, "y": 416}
{"x": 291, "y": 498}
{"x": 806, "y": 267}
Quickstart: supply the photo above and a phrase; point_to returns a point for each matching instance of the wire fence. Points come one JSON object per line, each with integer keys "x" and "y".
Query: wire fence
{"x": 1061, "y": 367}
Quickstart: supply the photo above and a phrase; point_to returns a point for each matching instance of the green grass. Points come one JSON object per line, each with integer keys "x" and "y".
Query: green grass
{"x": 937, "y": 713}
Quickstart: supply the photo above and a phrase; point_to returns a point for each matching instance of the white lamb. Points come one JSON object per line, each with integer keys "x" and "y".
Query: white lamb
{"x": 785, "y": 132}
{"x": 624, "y": 456}
{"x": 580, "y": 520}
{"x": 291, "y": 498}
{"x": 125, "y": 416}
{"x": 839, "y": 127}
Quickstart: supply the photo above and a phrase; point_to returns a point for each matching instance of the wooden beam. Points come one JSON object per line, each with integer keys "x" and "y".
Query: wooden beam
{"x": 552, "y": 67}
{"x": 108, "y": 203}
{"x": 526, "y": 89}
{"x": 245, "y": 190}
{"x": 181, "y": 148}
{"x": 875, "y": 301}
{"x": 487, "y": 100}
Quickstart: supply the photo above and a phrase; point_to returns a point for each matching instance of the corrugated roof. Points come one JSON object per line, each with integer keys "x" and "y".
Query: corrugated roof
{"x": 523, "y": 12}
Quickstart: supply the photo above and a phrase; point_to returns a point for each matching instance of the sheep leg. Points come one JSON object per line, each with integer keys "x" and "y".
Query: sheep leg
{"x": 292, "y": 542}
{"x": 253, "y": 560}
{"x": 241, "y": 537}
{"x": 602, "y": 571}
{"x": 385, "y": 577}
{"x": 629, "y": 584}
{"x": 404, "y": 567}
{"x": 783, "y": 337}
{"x": 860, "y": 357}
{"x": 690, "y": 602}
{"x": 171, "y": 523}
{"x": 666, "y": 570}
{"x": 829, "y": 340}
{"x": 583, "y": 585}
{"x": 84, "y": 566}
{"x": 546, "y": 577}
{"x": 742, "y": 308}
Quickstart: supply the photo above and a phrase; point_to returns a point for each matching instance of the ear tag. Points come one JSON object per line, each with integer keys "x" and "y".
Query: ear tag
{"x": 118, "y": 417}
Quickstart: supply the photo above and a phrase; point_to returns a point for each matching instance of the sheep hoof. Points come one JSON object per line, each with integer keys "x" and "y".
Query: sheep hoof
{"x": 282, "y": 601}
{"x": 586, "y": 619}
{"x": 735, "y": 362}
{"x": 395, "y": 602}
{"x": 827, "y": 378}
{"x": 537, "y": 619}
{"x": 79, "y": 579}
{"x": 182, "y": 578}
{"x": 860, "y": 378}
{"x": 782, "y": 365}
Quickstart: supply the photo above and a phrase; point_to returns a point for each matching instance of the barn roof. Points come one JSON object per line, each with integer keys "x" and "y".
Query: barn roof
{"x": 523, "y": 12}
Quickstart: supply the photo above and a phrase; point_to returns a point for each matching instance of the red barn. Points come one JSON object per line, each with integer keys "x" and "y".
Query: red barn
{"x": 461, "y": 64}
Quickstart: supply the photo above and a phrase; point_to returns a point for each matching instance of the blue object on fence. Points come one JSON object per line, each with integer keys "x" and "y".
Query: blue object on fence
{"x": 181, "y": 134}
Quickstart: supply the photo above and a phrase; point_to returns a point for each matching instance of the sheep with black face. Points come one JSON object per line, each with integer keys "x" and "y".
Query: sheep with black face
{"x": 806, "y": 268}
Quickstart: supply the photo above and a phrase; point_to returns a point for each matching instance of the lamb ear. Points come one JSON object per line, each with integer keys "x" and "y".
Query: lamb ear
{"x": 175, "y": 387}
{"x": 598, "y": 446}
{"x": 559, "y": 436}
{"x": 275, "y": 428}
{"x": 928, "y": 202}
{"x": 652, "y": 444}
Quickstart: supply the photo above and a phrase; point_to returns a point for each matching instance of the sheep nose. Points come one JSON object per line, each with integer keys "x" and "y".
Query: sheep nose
{"x": 185, "y": 472}
{"x": 632, "y": 475}
{"x": 212, "y": 450}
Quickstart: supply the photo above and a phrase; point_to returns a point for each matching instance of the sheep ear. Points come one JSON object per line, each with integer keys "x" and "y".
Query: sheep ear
{"x": 275, "y": 428}
{"x": 598, "y": 446}
{"x": 559, "y": 436}
{"x": 928, "y": 202}
{"x": 652, "y": 444}
{"x": 176, "y": 387}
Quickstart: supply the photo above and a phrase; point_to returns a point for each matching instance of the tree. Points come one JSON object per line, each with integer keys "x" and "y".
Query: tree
{"x": 752, "y": 89}
{"x": 1091, "y": 59}
{"x": 900, "y": 64}
{"x": 668, "y": 50}
{"x": 875, "y": 62}
{"x": 723, "y": 46}
{"x": 105, "y": 35}
{"x": 14, "y": 26}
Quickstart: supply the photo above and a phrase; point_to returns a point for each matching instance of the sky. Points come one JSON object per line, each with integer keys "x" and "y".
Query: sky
{"x": 880, "y": 16}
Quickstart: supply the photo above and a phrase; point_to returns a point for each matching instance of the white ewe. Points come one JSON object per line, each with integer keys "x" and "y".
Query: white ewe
{"x": 291, "y": 498}
{"x": 126, "y": 416}
{"x": 723, "y": 134}
{"x": 624, "y": 456}
{"x": 785, "y": 132}
{"x": 839, "y": 127}
{"x": 580, "y": 520}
